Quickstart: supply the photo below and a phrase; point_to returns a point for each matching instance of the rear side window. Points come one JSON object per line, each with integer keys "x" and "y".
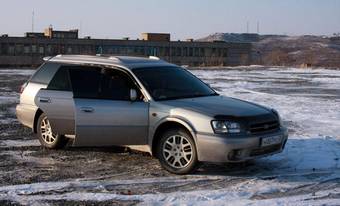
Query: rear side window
{"x": 61, "y": 80}
{"x": 100, "y": 83}
{"x": 45, "y": 73}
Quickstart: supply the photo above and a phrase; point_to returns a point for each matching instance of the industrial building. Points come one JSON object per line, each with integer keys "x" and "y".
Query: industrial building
{"x": 30, "y": 49}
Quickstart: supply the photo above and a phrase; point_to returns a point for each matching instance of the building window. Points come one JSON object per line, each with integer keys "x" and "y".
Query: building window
{"x": 69, "y": 50}
{"x": 34, "y": 49}
{"x": 225, "y": 52}
{"x": 141, "y": 51}
{"x": 219, "y": 52}
{"x": 49, "y": 49}
{"x": 27, "y": 49}
{"x": 185, "y": 51}
{"x": 191, "y": 52}
{"x": 202, "y": 52}
{"x": 41, "y": 49}
{"x": 11, "y": 50}
{"x": 196, "y": 52}
{"x": 179, "y": 51}
{"x": 161, "y": 51}
{"x": 167, "y": 51}
{"x": 213, "y": 52}
{"x": 19, "y": 49}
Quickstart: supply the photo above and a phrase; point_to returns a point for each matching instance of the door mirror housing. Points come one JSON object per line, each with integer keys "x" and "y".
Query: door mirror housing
{"x": 133, "y": 95}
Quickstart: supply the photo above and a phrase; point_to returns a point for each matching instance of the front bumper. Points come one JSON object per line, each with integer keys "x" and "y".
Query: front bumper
{"x": 219, "y": 148}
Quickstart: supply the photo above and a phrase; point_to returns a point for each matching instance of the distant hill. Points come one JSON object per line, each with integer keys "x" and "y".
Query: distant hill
{"x": 306, "y": 50}
{"x": 231, "y": 37}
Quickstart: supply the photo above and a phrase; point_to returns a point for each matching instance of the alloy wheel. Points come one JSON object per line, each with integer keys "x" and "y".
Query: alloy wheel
{"x": 46, "y": 131}
{"x": 177, "y": 151}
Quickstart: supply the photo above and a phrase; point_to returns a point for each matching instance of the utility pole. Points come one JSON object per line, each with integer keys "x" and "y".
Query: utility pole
{"x": 81, "y": 29}
{"x": 258, "y": 27}
{"x": 247, "y": 26}
{"x": 33, "y": 21}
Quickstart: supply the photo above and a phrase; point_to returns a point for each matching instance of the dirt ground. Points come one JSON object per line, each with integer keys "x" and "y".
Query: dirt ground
{"x": 117, "y": 170}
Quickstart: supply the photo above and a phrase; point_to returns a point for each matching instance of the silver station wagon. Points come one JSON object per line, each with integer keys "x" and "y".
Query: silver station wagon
{"x": 147, "y": 104}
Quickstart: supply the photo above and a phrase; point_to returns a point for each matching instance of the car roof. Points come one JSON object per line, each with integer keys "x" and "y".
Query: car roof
{"x": 128, "y": 62}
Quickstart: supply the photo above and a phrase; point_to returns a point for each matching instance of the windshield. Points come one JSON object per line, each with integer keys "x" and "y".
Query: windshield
{"x": 165, "y": 83}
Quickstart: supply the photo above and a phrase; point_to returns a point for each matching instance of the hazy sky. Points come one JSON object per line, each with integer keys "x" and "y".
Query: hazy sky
{"x": 182, "y": 18}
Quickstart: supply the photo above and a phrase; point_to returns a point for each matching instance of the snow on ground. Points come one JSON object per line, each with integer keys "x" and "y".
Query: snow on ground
{"x": 308, "y": 101}
{"x": 307, "y": 172}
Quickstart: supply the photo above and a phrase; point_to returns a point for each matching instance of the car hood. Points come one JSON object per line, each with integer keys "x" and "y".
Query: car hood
{"x": 219, "y": 106}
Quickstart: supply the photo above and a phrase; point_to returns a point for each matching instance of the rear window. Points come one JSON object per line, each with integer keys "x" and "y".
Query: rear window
{"x": 45, "y": 73}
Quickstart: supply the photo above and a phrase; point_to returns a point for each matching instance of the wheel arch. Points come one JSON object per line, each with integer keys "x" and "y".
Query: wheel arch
{"x": 167, "y": 124}
{"x": 36, "y": 117}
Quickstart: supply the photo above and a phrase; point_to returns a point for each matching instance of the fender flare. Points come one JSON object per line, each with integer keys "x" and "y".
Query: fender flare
{"x": 174, "y": 119}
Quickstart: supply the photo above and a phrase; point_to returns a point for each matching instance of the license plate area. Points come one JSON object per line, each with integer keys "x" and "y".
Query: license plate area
{"x": 273, "y": 140}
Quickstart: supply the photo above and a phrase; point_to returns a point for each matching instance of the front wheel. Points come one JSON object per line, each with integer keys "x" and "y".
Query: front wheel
{"x": 177, "y": 152}
{"x": 47, "y": 137}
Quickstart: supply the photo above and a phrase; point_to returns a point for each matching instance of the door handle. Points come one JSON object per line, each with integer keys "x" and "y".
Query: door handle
{"x": 44, "y": 100}
{"x": 87, "y": 109}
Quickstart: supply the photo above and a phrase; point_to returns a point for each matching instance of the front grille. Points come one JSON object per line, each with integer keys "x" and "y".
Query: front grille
{"x": 264, "y": 127}
{"x": 265, "y": 150}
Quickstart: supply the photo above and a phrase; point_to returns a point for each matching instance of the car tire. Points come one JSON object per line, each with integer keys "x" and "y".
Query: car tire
{"x": 177, "y": 152}
{"x": 45, "y": 134}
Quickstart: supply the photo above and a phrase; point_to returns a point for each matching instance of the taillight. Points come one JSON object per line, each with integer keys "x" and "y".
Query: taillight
{"x": 23, "y": 87}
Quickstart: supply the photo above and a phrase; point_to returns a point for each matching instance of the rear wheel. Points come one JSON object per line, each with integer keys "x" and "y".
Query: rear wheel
{"x": 47, "y": 137}
{"x": 177, "y": 152}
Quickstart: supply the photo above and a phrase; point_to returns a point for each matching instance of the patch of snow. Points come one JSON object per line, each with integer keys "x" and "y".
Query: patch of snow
{"x": 8, "y": 121}
{"x": 238, "y": 194}
{"x": 19, "y": 143}
{"x": 24, "y": 72}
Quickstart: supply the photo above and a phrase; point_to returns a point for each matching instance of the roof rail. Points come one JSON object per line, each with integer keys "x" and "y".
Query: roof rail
{"x": 154, "y": 57}
{"x": 47, "y": 58}
{"x": 115, "y": 58}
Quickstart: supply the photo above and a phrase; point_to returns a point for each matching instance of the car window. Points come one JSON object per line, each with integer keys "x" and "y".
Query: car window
{"x": 45, "y": 73}
{"x": 168, "y": 82}
{"x": 61, "y": 80}
{"x": 85, "y": 81}
{"x": 115, "y": 85}
{"x": 100, "y": 83}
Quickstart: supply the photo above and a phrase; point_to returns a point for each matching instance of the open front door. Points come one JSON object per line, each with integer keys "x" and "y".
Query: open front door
{"x": 104, "y": 113}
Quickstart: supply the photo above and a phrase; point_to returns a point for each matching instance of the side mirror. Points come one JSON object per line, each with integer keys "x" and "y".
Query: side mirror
{"x": 133, "y": 95}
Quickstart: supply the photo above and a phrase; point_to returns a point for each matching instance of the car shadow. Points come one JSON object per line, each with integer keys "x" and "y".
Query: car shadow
{"x": 103, "y": 149}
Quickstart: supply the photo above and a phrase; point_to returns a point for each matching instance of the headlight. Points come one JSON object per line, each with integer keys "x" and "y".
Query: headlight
{"x": 222, "y": 127}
